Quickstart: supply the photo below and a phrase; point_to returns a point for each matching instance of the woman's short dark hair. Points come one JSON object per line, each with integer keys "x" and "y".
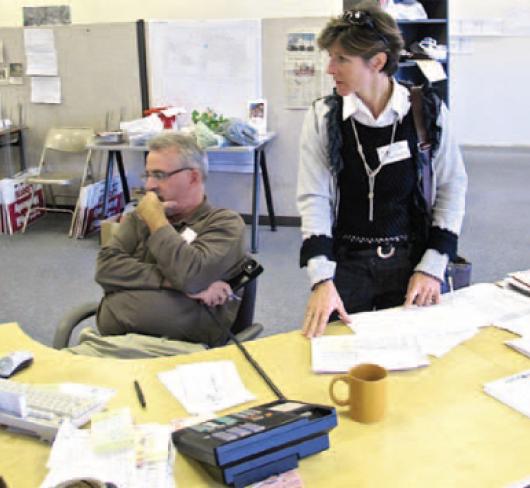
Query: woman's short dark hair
{"x": 365, "y": 31}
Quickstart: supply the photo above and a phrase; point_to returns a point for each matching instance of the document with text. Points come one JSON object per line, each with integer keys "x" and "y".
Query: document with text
{"x": 337, "y": 354}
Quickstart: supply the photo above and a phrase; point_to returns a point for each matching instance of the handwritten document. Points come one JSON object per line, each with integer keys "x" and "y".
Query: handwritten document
{"x": 206, "y": 387}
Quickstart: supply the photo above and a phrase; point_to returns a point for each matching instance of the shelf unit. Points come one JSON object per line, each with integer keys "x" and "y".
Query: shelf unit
{"x": 435, "y": 26}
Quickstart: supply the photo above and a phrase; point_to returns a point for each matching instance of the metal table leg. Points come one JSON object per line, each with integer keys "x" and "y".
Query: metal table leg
{"x": 255, "y": 204}
{"x": 123, "y": 178}
{"x": 267, "y": 188}
{"x": 108, "y": 180}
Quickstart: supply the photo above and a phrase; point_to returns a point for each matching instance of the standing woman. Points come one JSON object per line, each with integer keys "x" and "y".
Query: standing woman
{"x": 368, "y": 241}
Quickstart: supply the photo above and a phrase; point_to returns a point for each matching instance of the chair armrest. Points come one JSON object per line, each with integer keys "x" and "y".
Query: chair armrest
{"x": 64, "y": 330}
{"x": 249, "y": 333}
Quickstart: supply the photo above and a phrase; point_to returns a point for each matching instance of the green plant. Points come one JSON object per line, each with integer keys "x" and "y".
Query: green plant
{"x": 211, "y": 119}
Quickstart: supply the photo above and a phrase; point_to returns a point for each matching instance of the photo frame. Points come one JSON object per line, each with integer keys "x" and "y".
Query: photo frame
{"x": 257, "y": 114}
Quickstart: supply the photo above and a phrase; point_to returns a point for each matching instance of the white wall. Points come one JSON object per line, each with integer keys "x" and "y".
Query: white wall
{"x": 489, "y": 89}
{"x": 90, "y": 11}
{"x": 490, "y": 102}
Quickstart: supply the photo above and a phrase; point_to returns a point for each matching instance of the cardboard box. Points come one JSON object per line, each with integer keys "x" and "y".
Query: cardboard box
{"x": 108, "y": 228}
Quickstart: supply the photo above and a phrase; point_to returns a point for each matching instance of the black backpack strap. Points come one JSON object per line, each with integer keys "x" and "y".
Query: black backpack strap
{"x": 424, "y": 144}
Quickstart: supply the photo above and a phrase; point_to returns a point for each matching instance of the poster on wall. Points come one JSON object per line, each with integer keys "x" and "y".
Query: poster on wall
{"x": 41, "y": 55}
{"x": 52, "y": 15}
{"x": 45, "y": 89}
{"x": 16, "y": 73}
{"x": 303, "y": 76}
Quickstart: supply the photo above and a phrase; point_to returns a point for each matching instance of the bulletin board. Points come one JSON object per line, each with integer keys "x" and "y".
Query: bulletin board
{"x": 198, "y": 64}
{"x": 98, "y": 67}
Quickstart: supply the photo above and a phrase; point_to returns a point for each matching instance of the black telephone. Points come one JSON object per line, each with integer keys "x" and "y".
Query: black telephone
{"x": 253, "y": 444}
{"x": 250, "y": 270}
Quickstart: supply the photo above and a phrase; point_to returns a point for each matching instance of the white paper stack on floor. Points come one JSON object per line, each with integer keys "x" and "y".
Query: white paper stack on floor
{"x": 513, "y": 390}
{"x": 206, "y": 387}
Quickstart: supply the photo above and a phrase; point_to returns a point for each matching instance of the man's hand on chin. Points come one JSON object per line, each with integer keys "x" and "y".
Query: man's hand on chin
{"x": 152, "y": 211}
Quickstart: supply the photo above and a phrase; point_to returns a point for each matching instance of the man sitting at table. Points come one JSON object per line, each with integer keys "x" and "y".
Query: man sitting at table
{"x": 171, "y": 255}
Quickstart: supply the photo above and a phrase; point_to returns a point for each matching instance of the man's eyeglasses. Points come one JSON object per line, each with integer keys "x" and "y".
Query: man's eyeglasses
{"x": 363, "y": 19}
{"x": 162, "y": 175}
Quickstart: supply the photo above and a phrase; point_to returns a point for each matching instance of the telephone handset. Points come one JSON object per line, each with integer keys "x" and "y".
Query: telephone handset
{"x": 250, "y": 270}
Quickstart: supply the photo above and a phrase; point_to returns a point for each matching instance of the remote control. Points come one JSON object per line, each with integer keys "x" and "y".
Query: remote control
{"x": 14, "y": 362}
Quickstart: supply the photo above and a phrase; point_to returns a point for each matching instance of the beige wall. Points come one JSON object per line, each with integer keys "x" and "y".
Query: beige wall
{"x": 90, "y": 11}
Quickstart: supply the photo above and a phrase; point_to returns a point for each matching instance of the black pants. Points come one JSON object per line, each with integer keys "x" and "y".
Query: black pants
{"x": 366, "y": 281}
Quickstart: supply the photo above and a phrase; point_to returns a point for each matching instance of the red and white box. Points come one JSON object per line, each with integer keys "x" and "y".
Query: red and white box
{"x": 15, "y": 197}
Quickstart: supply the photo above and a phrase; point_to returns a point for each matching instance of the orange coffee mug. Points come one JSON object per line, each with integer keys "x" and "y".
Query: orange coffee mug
{"x": 367, "y": 397}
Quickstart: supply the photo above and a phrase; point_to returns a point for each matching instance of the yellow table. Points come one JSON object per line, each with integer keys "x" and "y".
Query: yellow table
{"x": 441, "y": 429}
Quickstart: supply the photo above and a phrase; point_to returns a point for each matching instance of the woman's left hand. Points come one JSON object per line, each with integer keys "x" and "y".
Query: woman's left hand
{"x": 422, "y": 290}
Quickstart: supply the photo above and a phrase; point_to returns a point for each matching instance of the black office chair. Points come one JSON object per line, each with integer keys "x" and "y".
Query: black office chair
{"x": 243, "y": 327}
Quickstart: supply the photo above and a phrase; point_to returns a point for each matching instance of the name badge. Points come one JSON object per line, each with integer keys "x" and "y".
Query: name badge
{"x": 392, "y": 153}
{"x": 188, "y": 235}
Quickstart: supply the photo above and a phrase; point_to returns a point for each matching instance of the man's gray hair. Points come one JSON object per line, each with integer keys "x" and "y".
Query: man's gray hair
{"x": 192, "y": 156}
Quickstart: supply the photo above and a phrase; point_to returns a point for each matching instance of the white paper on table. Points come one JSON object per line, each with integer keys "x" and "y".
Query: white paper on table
{"x": 149, "y": 463}
{"x": 513, "y": 391}
{"x": 46, "y": 89}
{"x": 337, "y": 354}
{"x": 492, "y": 302}
{"x": 152, "y": 123}
{"x": 520, "y": 484}
{"x": 71, "y": 458}
{"x": 521, "y": 345}
{"x": 42, "y": 64}
{"x": 436, "y": 329}
{"x": 518, "y": 285}
{"x": 519, "y": 325}
{"x": 441, "y": 327}
{"x": 206, "y": 386}
{"x": 522, "y": 276}
{"x": 87, "y": 391}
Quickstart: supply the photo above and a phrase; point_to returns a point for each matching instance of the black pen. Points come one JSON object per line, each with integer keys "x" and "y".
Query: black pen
{"x": 139, "y": 394}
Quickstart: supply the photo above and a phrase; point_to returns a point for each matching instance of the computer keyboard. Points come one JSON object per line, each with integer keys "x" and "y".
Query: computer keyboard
{"x": 39, "y": 411}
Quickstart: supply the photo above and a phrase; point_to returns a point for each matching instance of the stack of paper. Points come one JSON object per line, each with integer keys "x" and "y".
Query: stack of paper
{"x": 513, "y": 390}
{"x": 206, "y": 387}
{"x": 435, "y": 329}
{"x": 520, "y": 281}
{"x": 401, "y": 338}
{"x": 147, "y": 461}
{"x": 439, "y": 328}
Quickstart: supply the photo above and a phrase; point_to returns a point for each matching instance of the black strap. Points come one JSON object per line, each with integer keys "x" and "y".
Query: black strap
{"x": 424, "y": 144}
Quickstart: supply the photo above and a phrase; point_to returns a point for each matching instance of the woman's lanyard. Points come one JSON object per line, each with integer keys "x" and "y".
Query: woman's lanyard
{"x": 372, "y": 173}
